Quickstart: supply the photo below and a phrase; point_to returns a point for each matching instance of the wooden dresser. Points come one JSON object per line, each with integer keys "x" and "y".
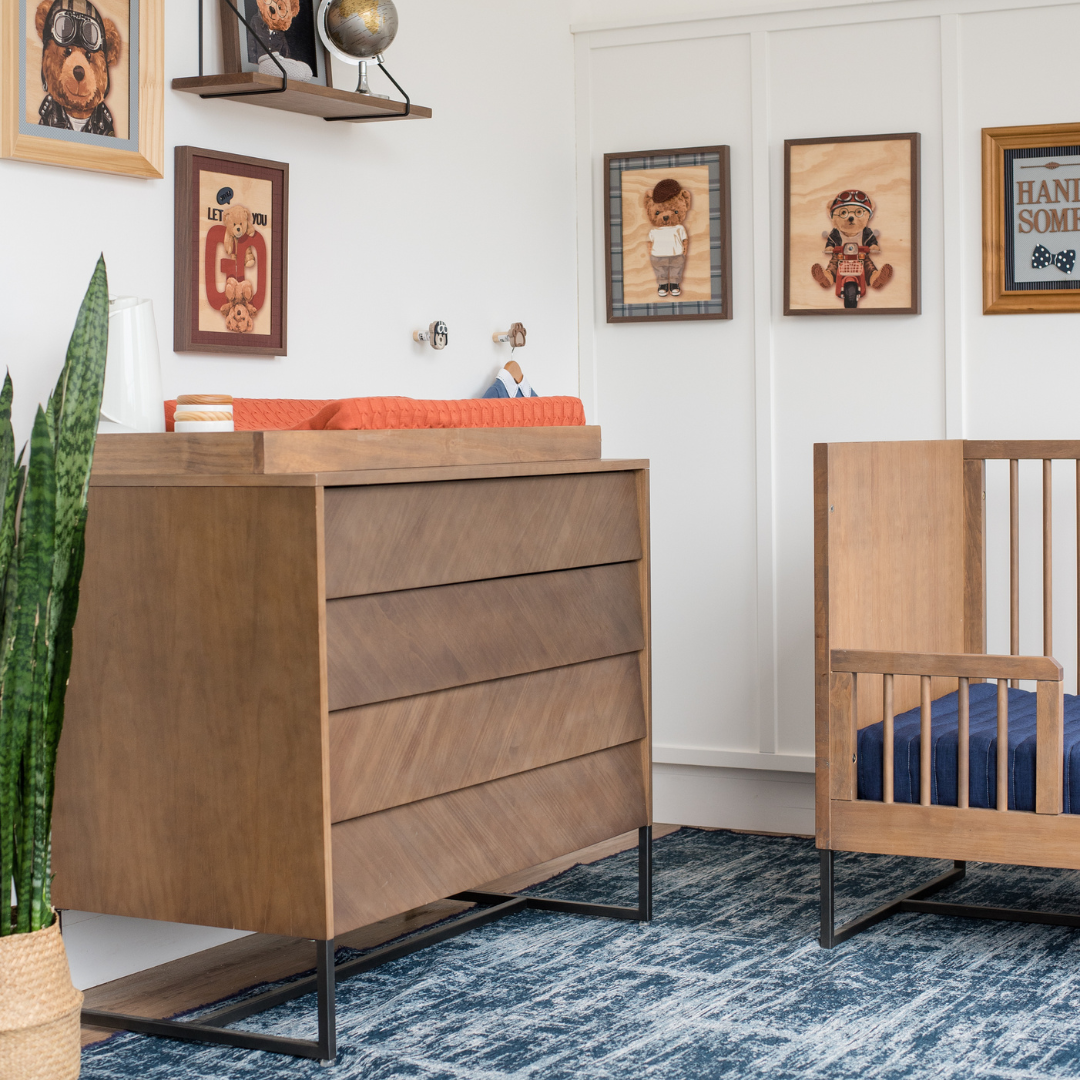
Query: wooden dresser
{"x": 321, "y": 678}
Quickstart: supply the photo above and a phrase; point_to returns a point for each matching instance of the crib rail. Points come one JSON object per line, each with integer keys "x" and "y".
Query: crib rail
{"x": 848, "y": 664}
{"x": 977, "y": 451}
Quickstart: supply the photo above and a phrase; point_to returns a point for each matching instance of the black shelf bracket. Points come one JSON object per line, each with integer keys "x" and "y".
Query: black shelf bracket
{"x": 213, "y": 1027}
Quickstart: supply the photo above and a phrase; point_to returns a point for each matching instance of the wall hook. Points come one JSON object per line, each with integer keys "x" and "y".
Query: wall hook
{"x": 436, "y": 335}
{"x": 514, "y": 337}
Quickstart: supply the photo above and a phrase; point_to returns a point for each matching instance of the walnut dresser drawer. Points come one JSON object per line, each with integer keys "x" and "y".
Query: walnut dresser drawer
{"x": 387, "y": 537}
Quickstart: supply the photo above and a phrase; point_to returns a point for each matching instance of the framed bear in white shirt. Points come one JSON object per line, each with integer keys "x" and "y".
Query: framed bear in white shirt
{"x": 667, "y": 253}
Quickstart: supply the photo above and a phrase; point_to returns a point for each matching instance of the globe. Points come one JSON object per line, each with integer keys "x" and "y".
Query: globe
{"x": 357, "y": 29}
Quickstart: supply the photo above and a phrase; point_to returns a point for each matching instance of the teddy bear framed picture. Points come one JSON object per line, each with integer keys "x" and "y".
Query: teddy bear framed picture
{"x": 851, "y": 225}
{"x": 668, "y": 254}
{"x": 83, "y": 84}
{"x": 231, "y": 239}
{"x": 277, "y": 32}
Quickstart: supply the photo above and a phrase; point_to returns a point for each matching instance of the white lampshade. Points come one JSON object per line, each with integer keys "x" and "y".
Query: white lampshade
{"x": 132, "y": 400}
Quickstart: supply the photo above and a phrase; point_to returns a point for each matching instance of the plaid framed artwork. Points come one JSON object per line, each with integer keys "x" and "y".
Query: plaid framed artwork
{"x": 667, "y": 248}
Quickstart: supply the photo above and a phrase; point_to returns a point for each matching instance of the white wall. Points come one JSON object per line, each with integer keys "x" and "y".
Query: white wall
{"x": 728, "y": 411}
{"x": 468, "y": 217}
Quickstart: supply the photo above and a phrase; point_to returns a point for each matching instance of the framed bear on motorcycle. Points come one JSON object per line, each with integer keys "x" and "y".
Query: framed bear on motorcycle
{"x": 851, "y": 225}
{"x": 667, "y": 253}
{"x": 82, "y": 84}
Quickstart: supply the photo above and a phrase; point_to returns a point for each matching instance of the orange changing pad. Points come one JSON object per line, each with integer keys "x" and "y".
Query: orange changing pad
{"x": 382, "y": 413}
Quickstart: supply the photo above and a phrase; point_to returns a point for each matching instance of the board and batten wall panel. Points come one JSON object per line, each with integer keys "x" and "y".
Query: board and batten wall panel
{"x": 733, "y": 588}
{"x": 683, "y": 394}
{"x": 841, "y": 379}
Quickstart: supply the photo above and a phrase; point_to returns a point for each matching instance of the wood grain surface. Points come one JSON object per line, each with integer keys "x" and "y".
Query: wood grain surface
{"x": 190, "y": 780}
{"x": 300, "y": 97}
{"x": 355, "y": 477}
{"x": 315, "y": 451}
{"x": 384, "y": 538}
{"x": 1020, "y": 449}
{"x": 1049, "y": 747}
{"x": 397, "y": 644}
{"x": 974, "y": 556}
{"x": 949, "y": 832}
{"x": 896, "y": 557}
{"x": 948, "y": 665}
{"x": 410, "y": 855}
{"x": 399, "y": 751}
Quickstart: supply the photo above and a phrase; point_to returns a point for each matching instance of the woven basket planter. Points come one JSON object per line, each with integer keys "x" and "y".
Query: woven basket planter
{"x": 39, "y": 1008}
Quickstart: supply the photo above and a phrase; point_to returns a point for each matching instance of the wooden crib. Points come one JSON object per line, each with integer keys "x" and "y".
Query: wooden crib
{"x": 900, "y": 620}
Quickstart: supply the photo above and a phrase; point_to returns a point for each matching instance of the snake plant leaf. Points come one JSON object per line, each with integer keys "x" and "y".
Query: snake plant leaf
{"x": 42, "y": 545}
{"x": 34, "y": 551}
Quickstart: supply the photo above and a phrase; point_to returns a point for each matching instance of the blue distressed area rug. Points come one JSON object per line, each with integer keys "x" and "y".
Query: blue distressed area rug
{"x": 727, "y": 981}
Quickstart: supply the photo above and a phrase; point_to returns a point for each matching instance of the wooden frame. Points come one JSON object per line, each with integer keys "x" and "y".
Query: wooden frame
{"x": 810, "y": 288}
{"x": 234, "y": 33}
{"x": 708, "y": 291}
{"x": 1012, "y": 282}
{"x": 136, "y": 148}
{"x": 251, "y": 319}
{"x": 900, "y": 614}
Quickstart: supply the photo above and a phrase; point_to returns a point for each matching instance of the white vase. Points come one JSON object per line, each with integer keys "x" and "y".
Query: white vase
{"x": 132, "y": 400}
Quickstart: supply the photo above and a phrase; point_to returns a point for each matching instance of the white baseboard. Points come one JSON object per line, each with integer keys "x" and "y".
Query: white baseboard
{"x": 670, "y": 754}
{"x": 723, "y": 798}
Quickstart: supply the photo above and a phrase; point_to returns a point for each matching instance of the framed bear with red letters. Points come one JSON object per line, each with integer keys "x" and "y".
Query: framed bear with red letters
{"x": 231, "y": 248}
{"x": 82, "y": 84}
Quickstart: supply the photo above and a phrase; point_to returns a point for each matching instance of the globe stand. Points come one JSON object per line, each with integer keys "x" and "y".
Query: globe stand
{"x": 362, "y": 81}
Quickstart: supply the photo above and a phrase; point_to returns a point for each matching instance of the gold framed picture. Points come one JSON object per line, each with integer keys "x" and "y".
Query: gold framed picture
{"x": 82, "y": 84}
{"x": 1031, "y": 193}
{"x": 851, "y": 225}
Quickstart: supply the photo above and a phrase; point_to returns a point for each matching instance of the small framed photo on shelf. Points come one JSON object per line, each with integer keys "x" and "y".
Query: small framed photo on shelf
{"x": 284, "y": 28}
{"x": 667, "y": 241}
{"x": 851, "y": 225}
{"x": 231, "y": 252}
{"x": 84, "y": 84}
{"x": 1031, "y": 218}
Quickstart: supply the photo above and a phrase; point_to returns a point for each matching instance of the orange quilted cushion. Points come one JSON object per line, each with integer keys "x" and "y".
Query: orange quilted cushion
{"x": 381, "y": 413}
{"x": 262, "y": 414}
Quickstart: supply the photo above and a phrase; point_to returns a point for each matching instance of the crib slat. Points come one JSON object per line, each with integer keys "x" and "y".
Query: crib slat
{"x": 1002, "y": 745}
{"x": 842, "y": 726}
{"x": 887, "y": 712}
{"x": 1014, "y": 560}
{"x": 963, "y": 759}
{"x": 1050, "y": 747}
{"x": 924, "y": 740}
{"x": 1048, "y": 578}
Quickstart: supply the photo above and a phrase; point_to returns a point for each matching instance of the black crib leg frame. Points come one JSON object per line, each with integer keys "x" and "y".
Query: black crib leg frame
{"x": 832, "y": 935}
{"x": 213, "y": 1027}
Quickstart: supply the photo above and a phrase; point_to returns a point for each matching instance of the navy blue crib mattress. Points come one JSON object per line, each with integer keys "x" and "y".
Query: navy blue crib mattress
{"x": 982, "y": 746}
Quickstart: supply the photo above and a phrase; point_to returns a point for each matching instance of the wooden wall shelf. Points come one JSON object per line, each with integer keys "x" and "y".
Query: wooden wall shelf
{"x": 300, "y": 97}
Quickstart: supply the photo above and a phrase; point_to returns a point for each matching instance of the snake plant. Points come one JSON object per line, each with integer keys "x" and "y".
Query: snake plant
{"x": 42, "y": 533}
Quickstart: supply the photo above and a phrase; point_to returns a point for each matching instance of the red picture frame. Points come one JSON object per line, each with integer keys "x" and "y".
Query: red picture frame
{"x": 250, "y": 320}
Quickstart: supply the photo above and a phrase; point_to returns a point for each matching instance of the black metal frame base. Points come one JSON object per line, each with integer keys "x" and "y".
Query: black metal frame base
{"x": 212, "y": 1027}
{"x": 832, "y": 935}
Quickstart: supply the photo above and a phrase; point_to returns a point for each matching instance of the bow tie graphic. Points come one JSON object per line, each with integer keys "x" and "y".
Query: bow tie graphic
{"x": 1042, "y": 257}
